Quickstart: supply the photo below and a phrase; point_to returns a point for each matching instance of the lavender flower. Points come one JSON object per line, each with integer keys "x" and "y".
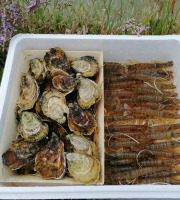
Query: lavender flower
{"x": 10, "y": 19}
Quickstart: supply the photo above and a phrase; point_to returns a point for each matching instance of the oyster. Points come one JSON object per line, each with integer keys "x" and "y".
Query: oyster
{"x": 53, "y": 104}
{"x": 84, "y": 168}
{"x": 37, "y": 69}
{"x": 83, "y": 145}
{"x": 62, "y": 81}
{"x": 88, "y": 93}
{"x": 50, "y": 161}
{"x": 31, "y": 127}
{"x": 29, "y": 92}
{"x": 87, "y": 66}
{"x": 40, "y": 112}
{"x": 80, "y": 121}
{"x": 20, "y": 153}
{"x": 56, "y": 58}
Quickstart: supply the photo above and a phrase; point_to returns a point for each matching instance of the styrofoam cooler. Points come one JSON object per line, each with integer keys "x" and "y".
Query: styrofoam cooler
{"x": 114, "y": 48}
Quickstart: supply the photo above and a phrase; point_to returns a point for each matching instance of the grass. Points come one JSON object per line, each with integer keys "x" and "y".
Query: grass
{"x": 98, "y": 17}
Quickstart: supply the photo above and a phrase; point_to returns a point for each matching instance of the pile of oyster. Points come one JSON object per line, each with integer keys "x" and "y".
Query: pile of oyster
{"x": 54, "y": 114}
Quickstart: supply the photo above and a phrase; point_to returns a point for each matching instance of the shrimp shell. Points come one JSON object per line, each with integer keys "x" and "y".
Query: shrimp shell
{"x": 156, "y": 136}
{"x": 121, "y": 117}
{"x": 115, "y": 170}
{"x": 162, "y": 174}
{"x": 152, "y": 65}
{"x": 124, "y": 135}
{"x": 120, "y": 144}
{"x": 164, "y": 145}
{"x": 119, "y": 162}
{"x": 158, "y": 181}
{"x": 162, "y": 128}
{"x": 125, "y": 84}
{"x": 148, "y": 163}
{"x": 126, "y": 128}
{"x": 139, "y": 172}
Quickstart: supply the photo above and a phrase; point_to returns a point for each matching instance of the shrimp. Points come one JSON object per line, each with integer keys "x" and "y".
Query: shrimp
{"x": 150, "y": 72}
{"x": 119, "y": 162}
{"x": 125, "y": 84}
{"x": 133, "y": 104}
{"x": 158, "y": 181}
{"x": 152, "y": 105}
{"x": 161, "y": 86}
{"x": 164, "y": 145}
{"x": 152, "y": 65}
{"x": 159, "y": 153}
{"x": 145, "y": 77}
{"x": 111, "y": 182}
{"x": 120, "y": 144}
{"x": 139, "y": 172}
{"x": 155, "y": 136}
{"x": 142, "y": 90}
{"x": 125, "y": 155}
{"x": 148, "y": 163}
{"x": 113, "y": 67}
{"x": 120, "y": 93}
{"x": 115, "y": 170}
{"x": 121, "y": 117}
{"x": 162, "y": 174}
{"x": 126, "y": 128}
{"x": 125, "y": 134}
{"x": 150, "y": 112}
{"x": 162, "y": 128}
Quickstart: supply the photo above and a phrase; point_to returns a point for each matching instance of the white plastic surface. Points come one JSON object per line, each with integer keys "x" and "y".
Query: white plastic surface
{"x": 115, "y": 48}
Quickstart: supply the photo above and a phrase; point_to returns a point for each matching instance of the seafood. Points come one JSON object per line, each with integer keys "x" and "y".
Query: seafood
{"x": 126, "y": 128}
{"x": 31, "y": 127}
{"x": 56, "y": 58}
{"x": 161, "y": 128}
{"x": 62, "y": 81}
{"x": 29, "y": 92}
{"x": 53, "y": 104}
{"x": 162, "y": 174}
{"x": 124, "y": 84}
{"x": 27, "y": 169}
{"x": 163, "y": 145}
{"x": 157, "y": 162}
{"x": 84, "y": 168}
{"x": 87, "y": 65}
{"x": 134, "y": 173}
{"x": 158, "y": 181}
{"x": 83, "y": 145}
{"x": 114, "y": 170}
{"x": 121, "y": 117}
{"x": 119, "y": 162}
{"x": 50, "y": 161}
{"x": 152, "y": 65}
{"x": 120, "y": 144}
{"x": 169, "y": 134}
{"x": 88, "y": 93}
{"x": 37, "y": 69}
{"x": 20, "y": 153}
{"x": 125, "y": 134}
{"x": 80, "y": 121}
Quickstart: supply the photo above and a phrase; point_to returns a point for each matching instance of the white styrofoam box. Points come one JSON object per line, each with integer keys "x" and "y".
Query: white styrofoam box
{"x": 115, "y": 48}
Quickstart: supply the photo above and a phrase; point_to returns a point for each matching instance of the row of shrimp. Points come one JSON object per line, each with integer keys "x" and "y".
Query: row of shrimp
{"x": 142, "y": 124}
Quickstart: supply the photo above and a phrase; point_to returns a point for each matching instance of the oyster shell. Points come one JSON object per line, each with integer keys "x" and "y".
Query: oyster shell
{"x": 20, "y": 153}
{"x": 88, "y": 93}
{"x": 56, "y": 58}
{"x": 84, "y": 168}
{"x": 83, "y": 145}
{"x": 62, "y": 81}
{"x": 87, "y": 66}
{"x": 29, "y": 92}
{"x": 37, "y": 69}
{"x": 31, "y": 127}
{"x": 50, "y": 161}
{"x": 53, "y": 104}
{"x": 80, "y": 121}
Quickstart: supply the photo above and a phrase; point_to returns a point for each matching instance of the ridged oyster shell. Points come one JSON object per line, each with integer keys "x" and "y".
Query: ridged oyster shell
{"x": 20, "y": 153}
{"x": 31, "y": 127}
{"x": 53, "y": 104}
{"x": 86, "y": 65}
{"x": 84, "y": 168}
{"x": 50, "y": 161}
{"x": 56, "y": 58}
{"x": 62, "y": 81}
{"x": 88, "y": 93}
{"x": 80, "y": 121}
{"x": 83, "y": 145}
{"x": 29, "y": 92}
{"x": 37, "y": 69}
